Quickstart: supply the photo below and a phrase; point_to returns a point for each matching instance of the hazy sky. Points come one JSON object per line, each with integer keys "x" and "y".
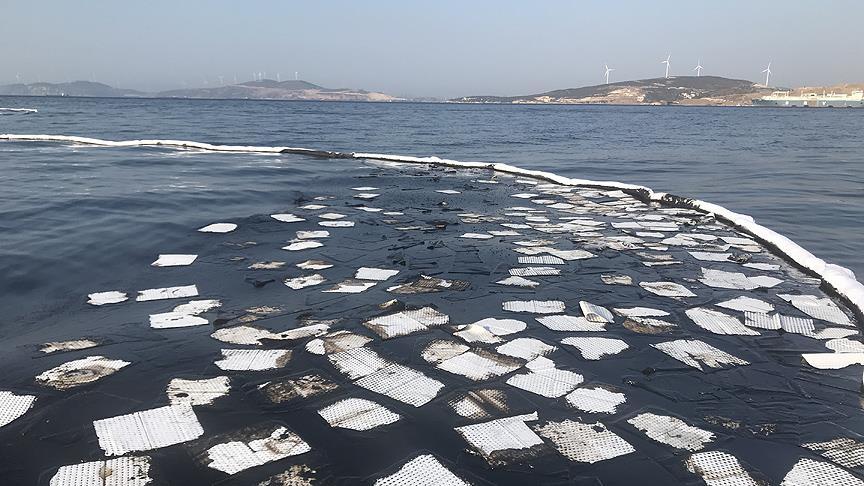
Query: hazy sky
{"x": 442, "y": 48}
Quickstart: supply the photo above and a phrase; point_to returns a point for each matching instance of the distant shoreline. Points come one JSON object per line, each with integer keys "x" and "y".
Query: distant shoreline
{"x": 207, "y": 99}
{"x": 712, "y": 91}
{"x": 414, "y": 102}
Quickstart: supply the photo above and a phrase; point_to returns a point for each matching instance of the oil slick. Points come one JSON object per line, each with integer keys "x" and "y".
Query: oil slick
{"x": 396, "y": 364}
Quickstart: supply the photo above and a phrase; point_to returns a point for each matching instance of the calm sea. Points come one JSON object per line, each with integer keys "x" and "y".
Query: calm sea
{"x": 796, "y": 171}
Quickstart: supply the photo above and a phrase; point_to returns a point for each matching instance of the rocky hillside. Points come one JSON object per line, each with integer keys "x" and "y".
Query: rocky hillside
{"x": 847, "y": 88}
{"x": 683, "y": 90}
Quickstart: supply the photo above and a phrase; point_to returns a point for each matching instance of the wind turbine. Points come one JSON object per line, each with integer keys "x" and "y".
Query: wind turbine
{"x": 698, "y": 68}
{"x": 666, "y": 62}
{"x": 278, "y": 78}
{"x": 221, "y": 81}
{"x": 608, "y": 70}
{"x": 767, "y": 72}
{"x": 296, "y": 76}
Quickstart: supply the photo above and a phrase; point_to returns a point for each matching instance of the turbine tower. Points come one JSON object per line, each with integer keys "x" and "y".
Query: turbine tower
{"x": 698, "y": 68}
{"x": 666, "y": 62}
{"x": 296, "y": 76}
{"x": 608, "y": 70}
{"x": 767, "y": 72}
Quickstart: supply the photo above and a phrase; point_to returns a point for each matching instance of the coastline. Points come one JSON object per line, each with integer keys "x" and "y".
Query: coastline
{"x": 420, "y": 102}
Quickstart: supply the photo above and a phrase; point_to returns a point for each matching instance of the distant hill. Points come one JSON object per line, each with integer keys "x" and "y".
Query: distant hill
{"x": 266, "y": 89}
{"x": 269, "y": 89}
{"x": 74, "y": 88}
{"x": 684, "y": 90}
